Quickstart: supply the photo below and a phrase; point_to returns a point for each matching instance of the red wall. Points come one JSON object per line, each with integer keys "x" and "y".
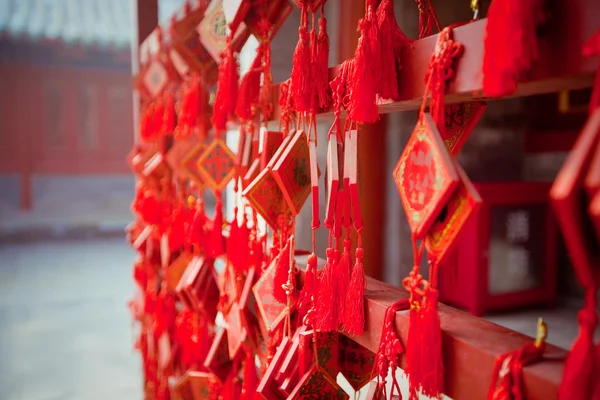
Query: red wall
{"x": 30, "y": 117}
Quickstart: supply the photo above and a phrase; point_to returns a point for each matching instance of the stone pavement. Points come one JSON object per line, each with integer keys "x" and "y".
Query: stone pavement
{"x": 66, "y": 206}
{"x": 65, "y": 330}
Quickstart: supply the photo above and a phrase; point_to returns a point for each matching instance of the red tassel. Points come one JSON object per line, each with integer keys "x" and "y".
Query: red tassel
{"x": 310, "y": 285}
{"x": 157, "y": 119}
{"x": 233, "y": 243}
{"x": 578, "y": 381}
{"x": 176, "y": 233}
{"x": 413, "y": 357}
{"x": 354, "y": 312}
{"x": 391, "y": 39}
{"x": 327, "y": 312}
{"x": 198, "y": 235}
{"x": 367, "y": 70}
{"x": 282, "y": 272}
{"x": 250, "y": 377}
{"x": 216, "y": 238}
{"x": 301, "y": 79}
{"x": 249, "y": 89}
{"x": 243, "y": 245}
{"x": 510, "y": 44}
{"x": 507, "y": 377}
{"x": 431, "y": 363}
{"x": 342, "y": 274}
{"x": 227, "y": 90}
{"x": 169, "y": 120}
{"x": 427, "y": 19}
{"x": 321, "y": 65}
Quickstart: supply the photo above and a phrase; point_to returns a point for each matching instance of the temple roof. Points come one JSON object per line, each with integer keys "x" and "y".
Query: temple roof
{"x": 104, "y": 23}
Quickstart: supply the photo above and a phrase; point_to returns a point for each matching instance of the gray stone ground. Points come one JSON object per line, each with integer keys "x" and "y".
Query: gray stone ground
{"x": 65, "y": 331}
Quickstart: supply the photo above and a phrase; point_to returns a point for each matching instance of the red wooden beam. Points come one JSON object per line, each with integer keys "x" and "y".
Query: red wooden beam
{"x": 470, "y": 347}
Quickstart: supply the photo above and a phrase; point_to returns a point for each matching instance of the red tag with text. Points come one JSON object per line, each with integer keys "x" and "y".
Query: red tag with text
{"x": 217, "y": 165}
{"x": 460, "y": 119}
{"x": 292, "y": 172}
{"x": 443, "y": 234}
{"x": 425, "y": 176}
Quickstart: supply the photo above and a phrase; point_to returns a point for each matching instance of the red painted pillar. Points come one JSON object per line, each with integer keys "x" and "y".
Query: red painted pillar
{"x": 146, "y": 19}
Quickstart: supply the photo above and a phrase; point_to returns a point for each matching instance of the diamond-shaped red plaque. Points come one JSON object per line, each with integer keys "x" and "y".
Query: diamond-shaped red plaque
{"x": 567, "y": 197}
{"x": 264, "y": 194}
{"x": 317, "y": 384}
{"x": 425, "y": 176}
{"x": 189, "y": 166}
{"x": 213, "y": 31}
{"x": 218, "y": 361}
{"x": 272, "y": 140}
{"x": 461, "y": 118}
{"x": 217, "y": 165}
{"x": 268, "y": 387}
{"x": 355, "y": 362}
{"x": 192, "y": 385}
{"x": 292, "y": 172}
{"x": 175, "y": 270}
{"x": 236, "y": 332}
{"x": 443, "y": 234}
{"x": 272, "y": 312}
{"x": 155, "y": 78}
{"x": 177, "y": 154}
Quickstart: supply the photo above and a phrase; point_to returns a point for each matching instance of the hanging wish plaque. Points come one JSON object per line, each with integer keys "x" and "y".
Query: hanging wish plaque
{"x": 217, "y": 165}
{"x": 443, "y": 234}
{"x": 292, "y": 172}
{"x": 460, "y": 119}
{"x": 425, "y": 176}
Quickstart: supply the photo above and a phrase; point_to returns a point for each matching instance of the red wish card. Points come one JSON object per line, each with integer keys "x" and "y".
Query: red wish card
{"x": 198, "y": 288}
{"x": 271, "y": 142}
{"x": 214, "y": 33}
{"x": 218, "y": 361}
{"x": 355, "y": 362}
{"x": 177, "y": 153}
{"x": 267, "y": 387}
{"x": 461, "y": 118}
{"x": 443, "y": 234}
{"x": 317, "y": 384}
{"x": 236, "y": 332}
{"x": 272, "y": 312}
{"x": 174, "y": 271}
{"x": 251, "y": 174}
{"x": 292, "y": 172}
{"x": 327, "y": 350}
{"x": 425, "y": 176}
{"x": 192, "y": 385}
{"x": 189, "y": 167}
{"x": 333, "y": 179}
{"x": 569, "y": 202}
{"x": 264, "y": 194}
{"x": 217, "y": 165}
{"x": 288, "y": 371}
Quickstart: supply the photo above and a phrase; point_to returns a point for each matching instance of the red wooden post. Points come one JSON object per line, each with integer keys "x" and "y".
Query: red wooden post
{"x": 146, "y": 19}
